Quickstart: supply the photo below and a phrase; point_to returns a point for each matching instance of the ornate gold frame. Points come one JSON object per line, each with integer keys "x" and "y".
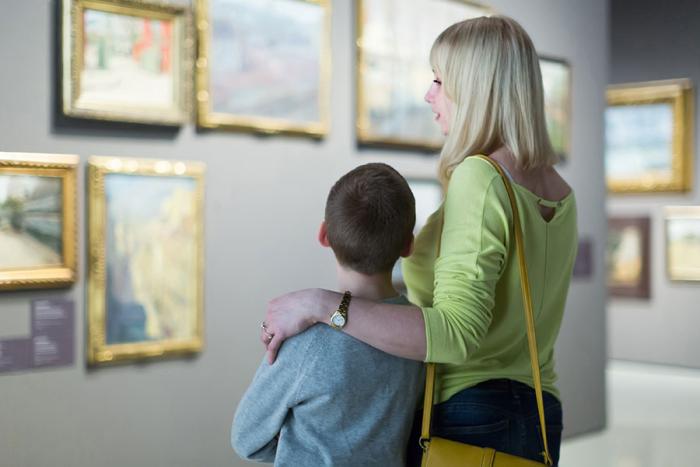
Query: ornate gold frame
{"x": 678, "y": 93}
{"x": 362, "y": 125}
{"x": 47, "y": 165}
{"x": 566, "y": 154}
{"x": 680, "y": 212}
{"x": 207, "y": 118}
{"x": 72, "y": 41}
{"x": 98, "y": 351}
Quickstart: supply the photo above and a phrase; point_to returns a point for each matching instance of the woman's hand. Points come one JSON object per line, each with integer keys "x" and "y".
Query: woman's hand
{"x": 293, "y": 313}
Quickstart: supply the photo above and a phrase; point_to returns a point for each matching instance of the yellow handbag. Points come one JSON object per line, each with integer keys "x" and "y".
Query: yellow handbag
{"x": 440, "y": 452}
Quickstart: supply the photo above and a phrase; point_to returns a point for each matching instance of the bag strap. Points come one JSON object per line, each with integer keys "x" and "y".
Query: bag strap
{"x": 530, "y": 326}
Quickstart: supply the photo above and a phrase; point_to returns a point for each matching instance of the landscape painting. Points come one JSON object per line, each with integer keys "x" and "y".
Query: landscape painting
{"x": 147, "y": 232}
{"x": 264, "y": 65}
{"x": 683, "y": 243}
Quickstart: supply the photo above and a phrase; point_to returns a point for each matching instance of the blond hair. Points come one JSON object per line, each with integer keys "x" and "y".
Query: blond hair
{"x": 490, "y": 71}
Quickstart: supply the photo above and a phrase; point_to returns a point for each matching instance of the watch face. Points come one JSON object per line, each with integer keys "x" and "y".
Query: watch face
{"x": 338, "y": 320}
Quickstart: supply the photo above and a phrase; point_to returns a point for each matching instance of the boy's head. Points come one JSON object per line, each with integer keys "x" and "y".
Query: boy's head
{"x": 370, "y": 214}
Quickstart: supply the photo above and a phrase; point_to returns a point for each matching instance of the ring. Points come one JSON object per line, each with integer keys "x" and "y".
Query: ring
{"x": 263, "y": 325}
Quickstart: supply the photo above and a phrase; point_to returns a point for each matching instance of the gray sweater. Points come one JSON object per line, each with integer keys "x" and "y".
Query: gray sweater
{"x": 329, "y": 400}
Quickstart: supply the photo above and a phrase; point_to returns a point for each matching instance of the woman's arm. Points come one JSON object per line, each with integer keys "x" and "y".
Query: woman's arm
{"x": 474, "y": 247}
{"x": 395, "y": 329}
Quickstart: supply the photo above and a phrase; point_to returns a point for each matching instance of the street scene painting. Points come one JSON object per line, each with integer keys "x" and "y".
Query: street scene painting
{"x": 126, "y": 60}
{"x": 38, "y": 220}
{"x": 30, "y": 221}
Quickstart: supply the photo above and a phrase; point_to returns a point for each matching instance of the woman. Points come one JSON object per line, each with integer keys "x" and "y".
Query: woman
{"x": 463, "y": 275}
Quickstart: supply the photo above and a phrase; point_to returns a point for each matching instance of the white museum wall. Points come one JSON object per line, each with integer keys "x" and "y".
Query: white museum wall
{"x": 653, "y": 41}
{"x": 264, "y": 200}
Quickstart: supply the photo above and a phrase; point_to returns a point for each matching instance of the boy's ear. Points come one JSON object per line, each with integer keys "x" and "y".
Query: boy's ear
{"x": 408, "y": 249}
{"x": 323, "y": 234}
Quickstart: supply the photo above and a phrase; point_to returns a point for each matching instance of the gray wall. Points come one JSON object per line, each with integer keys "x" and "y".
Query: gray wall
{"x": 264, "y": 202}
{"x": 650, "y": 40}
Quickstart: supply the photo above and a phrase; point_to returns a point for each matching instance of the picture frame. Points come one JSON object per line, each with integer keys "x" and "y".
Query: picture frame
{"x": 557, "y": 86}
{"x": 127, "y": 61}
{"x": 649, "y": 137}
{"x": 683, "y": 243}
{"x": 628, "y": 257}
{"x": 583, "y": 265}
{"x": 264, "y": 66}
{"x": 146, "y": 266}
{"x": 38, "y": 220}
{"x": 393, "y": 69}
{"x": 429, "y": 195}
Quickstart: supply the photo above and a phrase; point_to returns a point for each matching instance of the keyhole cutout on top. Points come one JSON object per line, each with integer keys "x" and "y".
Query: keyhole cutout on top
{"x": 548, "y": 209}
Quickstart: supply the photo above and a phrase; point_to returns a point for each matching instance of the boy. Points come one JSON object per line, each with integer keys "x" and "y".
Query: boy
{"x": 329, "y": 399}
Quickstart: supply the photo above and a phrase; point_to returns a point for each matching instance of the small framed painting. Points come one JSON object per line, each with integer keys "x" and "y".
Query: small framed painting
{"x": 683, "y": 243}
{"x": 393, "y": 68}
{"x": 126, "y": 60}
{"x": 145, "y": 281}
{"x": 37, "y": 220}
{"x": 583, "y": 265}
{"x": 556, "y": 81}
{"x": 649, "y": 137}
{"x": 628, "y": 262}
{"x": 264, "y": 65}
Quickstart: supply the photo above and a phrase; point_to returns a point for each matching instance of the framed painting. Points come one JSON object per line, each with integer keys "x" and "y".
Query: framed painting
{"x": 393, "y": 69}
{"x": 145, "y": 281}
{"x": 37, "y": 220}
{"x": 583, "y": 265}
{"x": 126, "y": 60}
{"x": 264, "y": 65}
{"x": 683, "y": 243}
{"x": 627, "y": 258}
{"x": 428, "y": 194}
{"x": 556, "y": 80}
{"x": 649, "y": 137}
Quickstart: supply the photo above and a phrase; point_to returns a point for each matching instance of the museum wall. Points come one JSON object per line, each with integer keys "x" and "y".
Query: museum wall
{"x": 264, "y": 202}
{"x": 650, "y": 41}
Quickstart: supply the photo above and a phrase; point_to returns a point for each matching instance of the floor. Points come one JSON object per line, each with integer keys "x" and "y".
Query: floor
{"x": 653, "y": 420}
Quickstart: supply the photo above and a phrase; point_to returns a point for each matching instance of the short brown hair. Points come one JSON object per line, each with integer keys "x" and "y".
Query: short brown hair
{"x": 370, "y": 214}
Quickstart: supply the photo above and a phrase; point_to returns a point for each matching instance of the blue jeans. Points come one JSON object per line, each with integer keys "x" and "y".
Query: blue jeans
{"x": 500, "y": 414}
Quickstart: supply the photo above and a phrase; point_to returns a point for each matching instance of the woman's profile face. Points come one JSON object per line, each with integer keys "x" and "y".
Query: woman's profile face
{"x": 440, "y": 104}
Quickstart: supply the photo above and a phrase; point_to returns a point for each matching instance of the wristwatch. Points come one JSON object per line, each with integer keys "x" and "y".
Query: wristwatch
{"x": 339, "y": 318}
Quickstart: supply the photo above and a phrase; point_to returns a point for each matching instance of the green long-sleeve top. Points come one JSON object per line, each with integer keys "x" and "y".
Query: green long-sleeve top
{"x": 464, "y": 275}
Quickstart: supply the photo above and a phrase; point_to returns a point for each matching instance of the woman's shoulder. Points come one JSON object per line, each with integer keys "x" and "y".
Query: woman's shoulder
{"x": 475, "y": 170}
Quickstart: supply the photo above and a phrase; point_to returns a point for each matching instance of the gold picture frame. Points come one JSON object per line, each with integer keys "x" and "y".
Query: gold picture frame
{"x": 269, "y": 81}
{"x": 38, "y": 220}
{"x": 127, "y": 61}
{"x": 146, "y": 264}
{"x": 683, "y": 243}
{"x": 649, "y": 137}
{"x": 393, "y": 69}
{"x": 557, "y": 84}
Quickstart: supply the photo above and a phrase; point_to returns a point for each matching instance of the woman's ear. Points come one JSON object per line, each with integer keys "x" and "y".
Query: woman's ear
{"x": 408, "y": 249}
{"x": 323, "y": 234}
